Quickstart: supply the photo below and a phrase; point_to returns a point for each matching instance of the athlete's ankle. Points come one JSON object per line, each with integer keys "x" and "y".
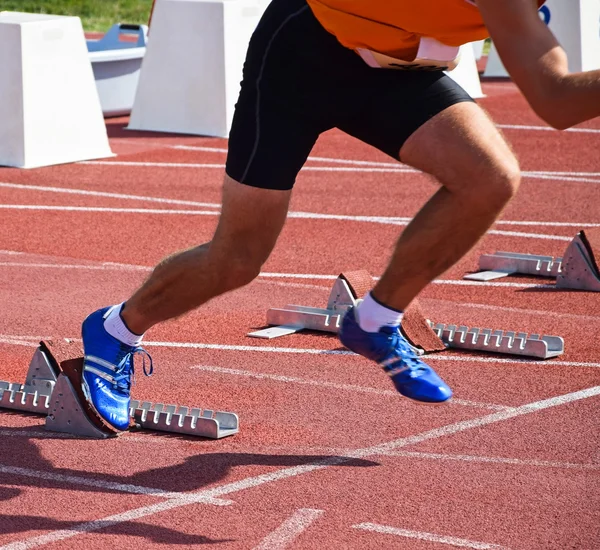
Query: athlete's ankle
{"x": 372, "y": 314}
{"x": 118, "y": 325}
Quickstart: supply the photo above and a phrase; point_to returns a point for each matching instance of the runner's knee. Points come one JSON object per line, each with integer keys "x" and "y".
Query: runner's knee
{"x": 502, "y": 181}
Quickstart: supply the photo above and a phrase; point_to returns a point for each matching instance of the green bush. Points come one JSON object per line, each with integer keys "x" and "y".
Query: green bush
{"x": 96, "y": 15}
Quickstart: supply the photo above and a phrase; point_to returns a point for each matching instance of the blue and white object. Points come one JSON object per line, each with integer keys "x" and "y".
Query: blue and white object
{"x": 116, "y": 64}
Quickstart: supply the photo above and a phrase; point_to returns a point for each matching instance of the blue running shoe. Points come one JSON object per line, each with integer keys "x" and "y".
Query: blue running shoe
{"x": 412, "y": 378}
{"x": 108, "y": 370}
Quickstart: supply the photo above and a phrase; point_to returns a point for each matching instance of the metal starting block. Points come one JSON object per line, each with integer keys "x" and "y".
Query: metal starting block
{"x": 53, "y": 388}
{"x": 499, "y": 341}
{"x": 423, "y": 335}
{"x": 577, "y": 269}
{"x": 291, "y": 318}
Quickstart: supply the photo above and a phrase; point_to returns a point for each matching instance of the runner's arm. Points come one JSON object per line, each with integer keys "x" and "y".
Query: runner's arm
{"x": 538, "y": 65}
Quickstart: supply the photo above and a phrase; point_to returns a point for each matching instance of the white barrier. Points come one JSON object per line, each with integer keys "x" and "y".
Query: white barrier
{"x": 576, "y": 25}
{"x": 466, "y": 73}
{"x": 49, "y": 108}
{"x": 191, "y": 73}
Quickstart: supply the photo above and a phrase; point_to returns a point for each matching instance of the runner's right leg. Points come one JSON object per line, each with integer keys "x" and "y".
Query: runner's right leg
{"x": 271, "y": 137}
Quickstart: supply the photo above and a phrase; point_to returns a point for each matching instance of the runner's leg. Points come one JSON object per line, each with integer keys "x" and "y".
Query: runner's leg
{"x": 479, "y": 175}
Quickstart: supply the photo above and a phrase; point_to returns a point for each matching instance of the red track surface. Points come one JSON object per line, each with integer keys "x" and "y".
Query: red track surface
{"x": 525, "y": 482}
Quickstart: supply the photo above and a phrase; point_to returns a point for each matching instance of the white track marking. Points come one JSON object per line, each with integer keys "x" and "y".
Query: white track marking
{"x": 560, "y": 178}
{"x": 95, "y": 525}
{"x": 268, "y": 349}
{"x": 101, "y": 267}
{"x": 529, "y": 235}
{"x": 459, "y": 282}
{"x": 69, "y": 191}
{"x": 17, "y": 342}
{"x": 547, "y": 128}
{"x": 294, "y": 471}
{"x": 379, "y": 168}
{"x": 293, "y": 285}
{"x": 291, "y": 215}
{"x": 573, "y": 174}
{"x": 430, "y": 537}
{"x": 370, "y": 169}
{"x": 391, "y": 220}
{"x": 106, "y": 209}
{"x": 444, "y": 356}
{"x": 107, "y": 485}
{"x": 496, "y": 460}
{"x": 290, "y": 529}
{"x": 109, "y": 266}
{"x": 333, "y": 385}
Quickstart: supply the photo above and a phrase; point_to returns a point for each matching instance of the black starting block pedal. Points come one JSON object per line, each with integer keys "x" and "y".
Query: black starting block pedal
{"x": 53, "y": 388}
{"x": 578, "y": 269}
{"x": 423, "y": 335}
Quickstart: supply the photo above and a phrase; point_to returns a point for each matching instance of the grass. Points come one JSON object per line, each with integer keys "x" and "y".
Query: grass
{"x": 96, "y": 15}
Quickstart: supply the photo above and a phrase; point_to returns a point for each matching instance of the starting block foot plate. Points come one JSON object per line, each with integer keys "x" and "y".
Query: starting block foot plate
{"x": 578, "y": 269}
{"x": 53, "y": 388}
{"x": 424, "y": 336}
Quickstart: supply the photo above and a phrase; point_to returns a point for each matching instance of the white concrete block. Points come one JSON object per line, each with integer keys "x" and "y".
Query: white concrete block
{"x": 191, "y": 73}
{"x": 576, "y": 26}
{"x": 50, "y": 112}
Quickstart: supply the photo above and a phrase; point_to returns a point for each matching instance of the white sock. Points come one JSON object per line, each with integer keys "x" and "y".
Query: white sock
{"x": 116, "y": 327}
{"x": 372, "y": 315}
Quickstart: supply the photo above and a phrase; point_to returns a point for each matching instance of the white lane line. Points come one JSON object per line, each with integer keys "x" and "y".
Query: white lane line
{"x": 268, "y": 349}
{"x": 397, "y": 169}
{"x": 69, "y": 191}
{"x": 99, "y": 267}
{"x": 106, "y": 209}
{"x": 547, "y": 128}
{"x": 294, "y": 471}
{"x": 333, "y": 385}
{"x": 290, "y": 529}
{"x": 458, "y": 282}
{"x": 496, "y": 460}
{"x": 294, "y": 285}
{"x": 302, "y": 215}
{"x": 108, "y": 266}
{"x": 17, "y": 342}
{"x": 107, "y": 485}
{"x": 379, "y": 168}
{"x": 529, "y": 235}
{"x": 95, "y": 525}
{"x": 573, "y": 174}
{"x": 444, "y": 356}
{"x": 430, "y": 537}
{"x": 391, "y": 220}
{"x": 561, "y": 178}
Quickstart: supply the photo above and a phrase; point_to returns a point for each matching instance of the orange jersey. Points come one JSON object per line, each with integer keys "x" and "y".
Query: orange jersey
{"x": 395, "y": 27}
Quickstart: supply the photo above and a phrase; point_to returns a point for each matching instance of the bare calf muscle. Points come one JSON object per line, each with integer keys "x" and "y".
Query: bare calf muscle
{"x": 479, "y": 175}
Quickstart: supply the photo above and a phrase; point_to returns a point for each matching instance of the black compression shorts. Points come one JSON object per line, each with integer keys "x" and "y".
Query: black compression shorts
{"x": 299, "y": 81}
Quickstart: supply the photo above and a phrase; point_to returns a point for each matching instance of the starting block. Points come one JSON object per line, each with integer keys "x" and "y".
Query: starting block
{"x": 577, "y": 269}
{"x": 423, "y": 335}
{"x": 53, "y": 388}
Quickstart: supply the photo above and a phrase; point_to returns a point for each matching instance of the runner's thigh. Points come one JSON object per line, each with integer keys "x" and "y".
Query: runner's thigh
{"x": 391, "y": 105}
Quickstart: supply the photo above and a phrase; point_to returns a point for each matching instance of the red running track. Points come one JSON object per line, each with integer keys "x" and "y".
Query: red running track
{"x": 328, "y": 455}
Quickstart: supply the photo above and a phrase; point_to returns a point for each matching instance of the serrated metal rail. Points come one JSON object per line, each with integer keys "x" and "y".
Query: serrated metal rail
{"x": 54, "y": 396}
{"x": 499, "y": 341}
